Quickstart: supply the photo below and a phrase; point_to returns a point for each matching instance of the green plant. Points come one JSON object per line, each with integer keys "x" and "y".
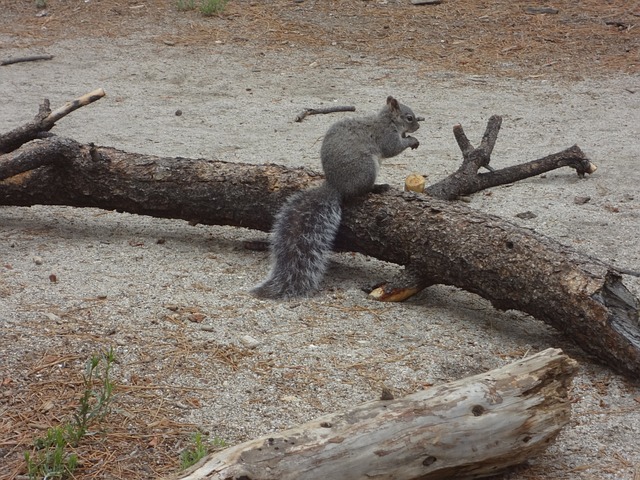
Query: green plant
{"x": 212, "y": 7}
{"x": 198, "y": 449}
{"x": 41, "y": 4}
{"x": 94, "y": 404}
{"x": 184, "y": 5}
{"x": 50, "y": 458}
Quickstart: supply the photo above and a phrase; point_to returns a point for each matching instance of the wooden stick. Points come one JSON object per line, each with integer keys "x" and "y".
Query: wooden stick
{"x": 321, "y": 111}
{"x": 69, "y": 107}
{"x": 32, "y": 58}
{"x": 472, "y": 427}
{"x": 44, "y": 121}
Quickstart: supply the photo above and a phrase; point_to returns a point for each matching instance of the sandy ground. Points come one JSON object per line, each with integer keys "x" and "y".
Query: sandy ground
{"x": 177, "y": 311}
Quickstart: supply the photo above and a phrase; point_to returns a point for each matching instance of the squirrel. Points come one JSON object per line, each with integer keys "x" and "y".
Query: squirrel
{"x": 306, "y": 226}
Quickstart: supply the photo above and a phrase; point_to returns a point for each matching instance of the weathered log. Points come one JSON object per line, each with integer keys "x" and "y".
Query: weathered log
{"x": 471, "y": 428}
{"x": 439, "y": 242}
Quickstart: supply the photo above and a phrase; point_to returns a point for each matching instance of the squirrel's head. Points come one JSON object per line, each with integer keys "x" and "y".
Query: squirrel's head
{"x": 403, "y": 116}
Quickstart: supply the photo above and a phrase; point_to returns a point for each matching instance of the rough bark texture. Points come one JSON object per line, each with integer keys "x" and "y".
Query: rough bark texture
{"x": 438, "y": 241}
{"x": 512, "y": 267}
{"x": 471, "y": 428}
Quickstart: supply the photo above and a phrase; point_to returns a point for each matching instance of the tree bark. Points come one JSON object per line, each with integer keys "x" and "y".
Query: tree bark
{"x": 470, "y": 428}
{"x": 439, "y": 242}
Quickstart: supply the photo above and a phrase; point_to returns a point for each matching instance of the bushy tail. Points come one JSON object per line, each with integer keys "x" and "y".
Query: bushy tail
{"x": 301, "y": 243}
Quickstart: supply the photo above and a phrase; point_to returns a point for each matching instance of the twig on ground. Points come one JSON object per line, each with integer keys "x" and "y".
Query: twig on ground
{"x": 32, "y": 58}
{"x": 317, "y": 111}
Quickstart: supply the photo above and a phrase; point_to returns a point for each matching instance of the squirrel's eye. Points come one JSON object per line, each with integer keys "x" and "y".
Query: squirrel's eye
{"x": 409, "y": 118}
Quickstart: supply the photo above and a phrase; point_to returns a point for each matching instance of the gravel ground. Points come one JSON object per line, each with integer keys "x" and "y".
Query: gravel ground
{"x": 172, "y": 298}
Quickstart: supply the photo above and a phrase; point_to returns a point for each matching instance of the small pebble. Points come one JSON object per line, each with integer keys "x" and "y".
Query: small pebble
{"x": 37, "y": 260}
{"x": 528, "y": 215}
{"x": 249, "y": 342}
{"x": 196, "y": 317}
{"x": 386, "y": 394}
{"x": 52, "y": 316}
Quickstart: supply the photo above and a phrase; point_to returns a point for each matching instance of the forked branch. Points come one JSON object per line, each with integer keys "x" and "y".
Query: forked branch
{"x": 467, "y": 179}
{"x": 44, "y": 121}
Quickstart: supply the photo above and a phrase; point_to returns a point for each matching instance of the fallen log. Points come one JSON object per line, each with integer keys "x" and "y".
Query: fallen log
{"x": 471, "y": 428}
{"x": 439, "y": 242}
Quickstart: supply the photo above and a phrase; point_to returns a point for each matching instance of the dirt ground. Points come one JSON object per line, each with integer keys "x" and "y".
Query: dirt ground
{"x": 195, "y": 351}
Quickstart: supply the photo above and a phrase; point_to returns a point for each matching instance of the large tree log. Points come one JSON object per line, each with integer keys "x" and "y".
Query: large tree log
{"x": 470, "y": 428}
{"x": 439, "y": 242}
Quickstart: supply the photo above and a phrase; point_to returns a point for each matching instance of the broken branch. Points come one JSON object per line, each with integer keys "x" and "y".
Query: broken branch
{"x": 32, "y": 58}
{"x": 466, "y": 180}
{"x": 69, "y": 107}
{"x": 321, "y": 111}
{"x": 44, "y": 121}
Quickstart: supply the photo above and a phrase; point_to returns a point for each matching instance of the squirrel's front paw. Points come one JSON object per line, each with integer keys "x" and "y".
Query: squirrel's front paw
{"x": 413, "y": 143}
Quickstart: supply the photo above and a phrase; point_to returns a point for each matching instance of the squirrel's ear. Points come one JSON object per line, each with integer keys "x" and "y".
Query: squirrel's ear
{"x": 392, "y": 103}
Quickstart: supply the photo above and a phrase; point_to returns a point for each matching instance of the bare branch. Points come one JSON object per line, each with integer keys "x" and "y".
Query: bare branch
{"x": 32, "y": 58}
{"x": 69, "y": 107}
{"x": 44, "y": 121}
{"x": 466, "y": 180}
{"x": 321, "y": 111}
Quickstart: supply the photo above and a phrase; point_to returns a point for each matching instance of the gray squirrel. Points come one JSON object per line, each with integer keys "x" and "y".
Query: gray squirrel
{"x": 305, "y": 228}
